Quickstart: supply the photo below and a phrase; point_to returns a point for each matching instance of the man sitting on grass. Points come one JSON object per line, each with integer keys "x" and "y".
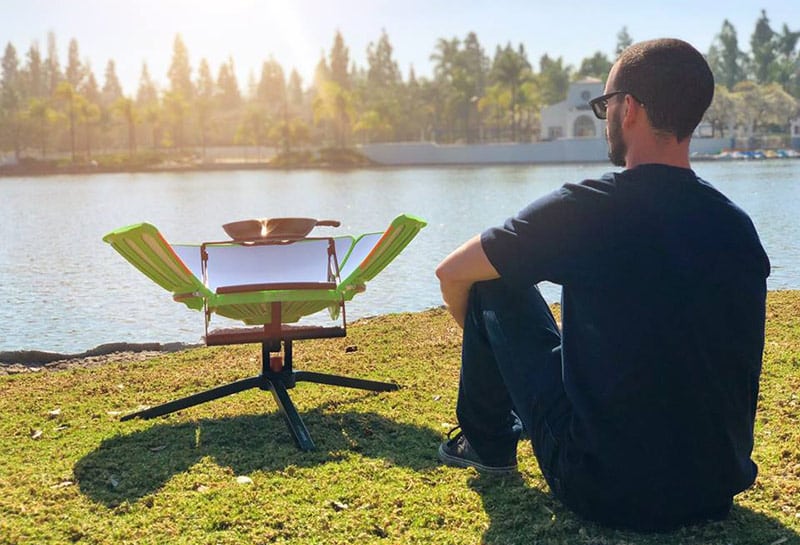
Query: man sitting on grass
{"x": 641, "y": 408}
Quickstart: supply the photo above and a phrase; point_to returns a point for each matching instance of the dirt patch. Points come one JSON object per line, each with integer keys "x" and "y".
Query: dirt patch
{"x": 32, "y": 361}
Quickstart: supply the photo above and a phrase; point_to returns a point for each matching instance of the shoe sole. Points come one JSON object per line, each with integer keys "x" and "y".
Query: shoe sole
{"x": 455, "y": 461}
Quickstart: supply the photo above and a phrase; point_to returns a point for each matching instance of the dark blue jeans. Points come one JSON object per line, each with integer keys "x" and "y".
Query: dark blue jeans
{"x": 511, "y": 376}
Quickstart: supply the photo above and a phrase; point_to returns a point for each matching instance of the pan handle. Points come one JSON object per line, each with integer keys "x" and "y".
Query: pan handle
{"x": 328, "y": 223}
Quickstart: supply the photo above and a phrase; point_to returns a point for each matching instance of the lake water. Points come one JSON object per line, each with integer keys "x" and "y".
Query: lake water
{"x": 62, "y": 289}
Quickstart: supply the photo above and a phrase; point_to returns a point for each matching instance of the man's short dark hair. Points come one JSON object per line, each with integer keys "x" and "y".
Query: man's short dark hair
{"x": 673, "y": 81}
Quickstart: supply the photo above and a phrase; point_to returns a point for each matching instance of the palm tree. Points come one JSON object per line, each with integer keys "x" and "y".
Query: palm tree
{"x": 496, "y": 103}
{"x": 511, "y": 69}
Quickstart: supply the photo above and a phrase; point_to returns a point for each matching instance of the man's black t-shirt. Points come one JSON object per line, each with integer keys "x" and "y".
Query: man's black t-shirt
{"x": 663, "y": 305}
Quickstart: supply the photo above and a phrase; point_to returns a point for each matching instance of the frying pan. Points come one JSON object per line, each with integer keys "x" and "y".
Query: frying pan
{"x": 274, "y": 228}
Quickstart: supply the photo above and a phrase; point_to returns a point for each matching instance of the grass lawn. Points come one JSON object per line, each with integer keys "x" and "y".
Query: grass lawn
{"x": 228, "y": 472}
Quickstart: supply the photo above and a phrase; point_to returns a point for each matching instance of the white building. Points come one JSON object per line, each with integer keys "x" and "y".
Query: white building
{"x": 794, "y": 131}
{"x": 573, "y": 118}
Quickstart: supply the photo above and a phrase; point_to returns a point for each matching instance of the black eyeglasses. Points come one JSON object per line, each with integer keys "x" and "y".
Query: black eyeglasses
{"x": 600, "y": 104}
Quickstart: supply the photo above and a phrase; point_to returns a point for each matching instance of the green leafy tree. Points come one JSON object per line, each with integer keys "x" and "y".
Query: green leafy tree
{"x": 254, "y": 128}
{"x": 152, "y": 114}
{"x": 147, "y": 102}
{"x": 553, "y": 79}
{"x": 112, "y": 88}
{"x": 446, "y": 73}
{"x": 415, "y": 111}
{"x": 788, "y": 61}
{"x": 624, "y": 41}
{"x": 69, "y": 98}
{"x": 511, "y": 69}
{"x": 89, "y": 88}
{"x": 381, "y": 105}
{"x": 726, "y": 60}
{"x": 91, "y": 114}
{"x": 42, "y": 117}
{"x": 321, "y": 72}
{"x": 373, "y": 127}
{"x": 271, "y": 88}
{"x": 530, "y": 104}
{"x": 176, "y": 110}
{"x": 294, "y": 91}
{"x": 288, "y": 133}
{"x": 180, "y": 71}
{"x": 91, "y": 111}
{"x": 763, "y": 45}
{"x": 228, "y": 95}
{"x": 340, "y": 62}
{"x": 11, "y": 111}
{"x": 781, "y": 107}
{"x": 204, "y": 103}
{"x": 762, "y": 106}
{"x": 74, "y": 72}
{"x": 52, "y": 68}
{"x": 334, "y": 105}
{"x": 495, "y": 105}
{"x": 147, "y": 92}
{"x": 33, "y": 80}
{"x": 721, "y": 114}
{"x": 597, "y": 66}
{"x": 461, "y": 74}
{"x": 472, "y": 85}
{"x": 228, "y": 103}
{"x": 125, "y": 109}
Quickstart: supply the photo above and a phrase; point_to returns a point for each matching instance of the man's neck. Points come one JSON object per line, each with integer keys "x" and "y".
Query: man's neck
{"x": 662, "y": 151}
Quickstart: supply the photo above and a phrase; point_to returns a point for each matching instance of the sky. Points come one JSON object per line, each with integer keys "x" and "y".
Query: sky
{"x": 297, "y": 32}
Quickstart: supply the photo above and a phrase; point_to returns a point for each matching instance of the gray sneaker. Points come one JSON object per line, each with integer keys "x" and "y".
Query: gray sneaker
{"x": 457, "y": 451}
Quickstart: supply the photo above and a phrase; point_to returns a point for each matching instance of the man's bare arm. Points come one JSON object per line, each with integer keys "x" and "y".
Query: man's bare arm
{"x": 462, "y": 268}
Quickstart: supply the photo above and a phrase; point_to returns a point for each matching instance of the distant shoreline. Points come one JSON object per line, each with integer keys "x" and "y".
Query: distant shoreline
{"x": 18, "y": 172}
{"x": 343, "y": 159}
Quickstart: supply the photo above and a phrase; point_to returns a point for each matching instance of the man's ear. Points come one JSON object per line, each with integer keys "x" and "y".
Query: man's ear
{"x": 633, "y": 112}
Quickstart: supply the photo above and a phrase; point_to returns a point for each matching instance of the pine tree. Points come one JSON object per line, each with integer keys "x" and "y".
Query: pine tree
{"x": 112, "y": 89}
{"x": 180, "y": 72}
{"x": 74, "y": 72}
{"x": 725, "y": 58}
{"x": 339, "y": 62}
{"x": 34, "y": 73}
{"x": 763, "y": 47}
{"x": 147, "y": 94}
{"x": 52, "y": 68}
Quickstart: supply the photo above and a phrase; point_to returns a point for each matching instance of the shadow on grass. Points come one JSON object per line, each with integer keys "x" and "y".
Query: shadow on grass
{"x": 130, "y": 466}
{"x": 521, "y": 514}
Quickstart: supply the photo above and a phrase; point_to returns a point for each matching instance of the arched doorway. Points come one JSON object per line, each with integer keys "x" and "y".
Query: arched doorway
{"x": 584, "y": 127}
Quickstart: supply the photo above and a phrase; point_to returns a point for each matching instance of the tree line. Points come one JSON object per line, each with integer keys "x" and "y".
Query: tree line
{"x": 471, "y": 97}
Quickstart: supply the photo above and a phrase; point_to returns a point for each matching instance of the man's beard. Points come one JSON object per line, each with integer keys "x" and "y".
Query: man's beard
{"x": 616, "y": 145}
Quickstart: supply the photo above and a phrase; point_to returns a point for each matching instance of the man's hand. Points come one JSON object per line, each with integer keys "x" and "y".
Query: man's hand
{"x": 462, "y": 268}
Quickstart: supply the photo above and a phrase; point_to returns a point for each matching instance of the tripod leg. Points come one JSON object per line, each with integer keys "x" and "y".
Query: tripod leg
{"x": 293, "y": 421}
{"x": 348, "y": 382}
{"x": 196, "y": 399}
